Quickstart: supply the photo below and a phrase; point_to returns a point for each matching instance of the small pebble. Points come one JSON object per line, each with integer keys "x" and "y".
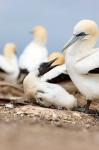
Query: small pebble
{"x": 9, "y": 105}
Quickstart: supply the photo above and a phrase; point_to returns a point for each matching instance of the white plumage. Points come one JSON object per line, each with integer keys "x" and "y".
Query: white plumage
{"x": 54, "y": 72}
{"x": 87, "y": 83}
{"x": 36, "y": 52}
{"x": 83, "y": 60}
{"x": 9, "y": 63}
{"x": 47, "y": 94}
{"x": 59, "y": 74}
{"x": 33, "y": 56}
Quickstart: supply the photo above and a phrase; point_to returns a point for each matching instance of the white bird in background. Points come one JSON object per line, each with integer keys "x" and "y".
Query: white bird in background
{"x": 36, "y": 52}
{"x": 82, "y": 60}
{"x": 9, "y": 69}
{"x": 47, "y": 94}
{"x": 59, "y": 73}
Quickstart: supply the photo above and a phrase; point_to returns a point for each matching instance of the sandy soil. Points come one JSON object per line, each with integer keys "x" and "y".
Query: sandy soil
{"x": 35, "y": 127}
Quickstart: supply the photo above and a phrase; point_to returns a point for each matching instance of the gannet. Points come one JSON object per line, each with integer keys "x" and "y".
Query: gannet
{"x": 59, "y": 73}
{"x": 9, "y": 69}
{"x": 36, "y": 52}
{"x": 47, "y": 94}
{"x": 82, "y": 60}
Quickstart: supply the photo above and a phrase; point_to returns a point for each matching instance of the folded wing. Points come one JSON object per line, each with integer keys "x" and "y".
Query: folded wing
{"x": 89, "y": 64}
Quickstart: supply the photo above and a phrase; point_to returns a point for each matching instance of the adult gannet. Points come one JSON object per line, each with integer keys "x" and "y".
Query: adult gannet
{"x": 47, "y": 94}
{"x": 36, "y": 52}
{"x": 82, "y": 60}
{"x": 9, "y": 69}
{"x": 59, "y": 73}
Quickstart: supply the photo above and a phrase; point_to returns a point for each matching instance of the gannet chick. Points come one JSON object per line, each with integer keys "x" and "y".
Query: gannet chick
{"x": 9, "y": 69}
{"x": 47, "y": 94}
{"x": 82, "y": 60}
{"x": 36, "y": 52}
{"x": 59, "y": 73}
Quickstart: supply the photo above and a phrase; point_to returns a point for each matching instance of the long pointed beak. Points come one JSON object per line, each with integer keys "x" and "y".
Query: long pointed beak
{"x": 46, "y": 67}
{"x": 70, "y": 42}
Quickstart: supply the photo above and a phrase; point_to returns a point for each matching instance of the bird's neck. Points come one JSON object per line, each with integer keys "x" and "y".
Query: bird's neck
{"x": 39, "y": 42}
{"x": 10, "y": 56}
{"x": 34, "y": 78}
{"x": 79, "y": 51}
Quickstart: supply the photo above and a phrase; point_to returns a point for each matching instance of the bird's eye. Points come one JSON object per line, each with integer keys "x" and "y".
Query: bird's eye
{"x": 81, "y": 34}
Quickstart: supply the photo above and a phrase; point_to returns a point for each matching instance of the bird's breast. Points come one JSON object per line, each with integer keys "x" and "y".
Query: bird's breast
{"x": 88, "y": 84}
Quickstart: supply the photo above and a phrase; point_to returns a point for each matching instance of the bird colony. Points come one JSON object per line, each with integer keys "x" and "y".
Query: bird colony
{"x": 51, "y": 80}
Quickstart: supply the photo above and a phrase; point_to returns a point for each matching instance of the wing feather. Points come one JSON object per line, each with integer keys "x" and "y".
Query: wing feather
{"x": 90, "y": 64}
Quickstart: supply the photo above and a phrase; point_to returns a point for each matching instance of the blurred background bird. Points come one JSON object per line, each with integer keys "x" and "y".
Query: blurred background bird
{"x": 9, "y": 69}
{"x": 35, "y": 53}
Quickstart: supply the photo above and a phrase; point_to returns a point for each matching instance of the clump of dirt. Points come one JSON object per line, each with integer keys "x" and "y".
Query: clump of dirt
{"x": 58, "y": 118}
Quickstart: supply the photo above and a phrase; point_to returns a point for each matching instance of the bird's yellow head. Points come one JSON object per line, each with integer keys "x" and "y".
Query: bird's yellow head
{"x": 9, "y": 49}
{"x": 40, "y": 34}
{"x": 85, "y": 33}
{"x": 60, "y": 58}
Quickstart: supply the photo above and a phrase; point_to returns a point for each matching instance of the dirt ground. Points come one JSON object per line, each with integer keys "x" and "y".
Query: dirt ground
{"x": 35, "y": 127}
